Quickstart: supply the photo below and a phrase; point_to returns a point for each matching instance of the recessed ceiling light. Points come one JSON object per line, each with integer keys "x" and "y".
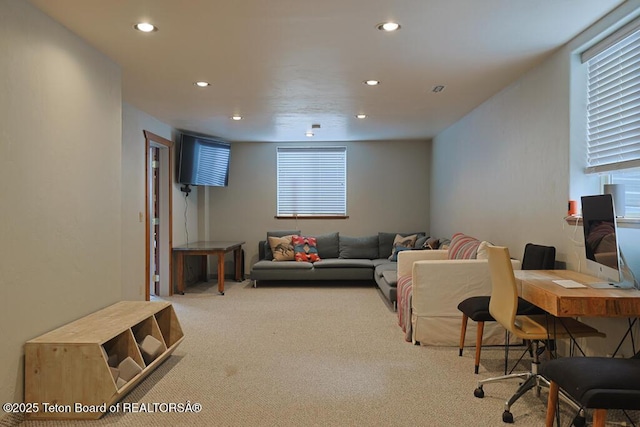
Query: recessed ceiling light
{"x": 361, "y": 116}
{"x": 371, "y": 82}
{"x": 145, "y": 27}
{"x": 236, "y": 117}
{"x": 202, "y": 84}
{"x": 309, "y": 133}
{"x": 388, "y": 26}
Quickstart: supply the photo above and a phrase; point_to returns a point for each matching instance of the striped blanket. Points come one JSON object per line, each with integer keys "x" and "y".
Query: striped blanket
{"x": 404, "y": 305}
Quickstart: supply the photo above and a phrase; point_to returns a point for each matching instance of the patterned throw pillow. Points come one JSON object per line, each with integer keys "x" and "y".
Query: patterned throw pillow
{"x": 305, "y": 249}
{"x": 282, "y": 248}
{"x": 463, "y": 247}
{"x": 402, "y": 243}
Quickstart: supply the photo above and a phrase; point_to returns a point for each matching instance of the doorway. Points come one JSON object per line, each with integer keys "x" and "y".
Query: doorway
{"x": 158, "y": 217}
{"x": 154, "y": 282}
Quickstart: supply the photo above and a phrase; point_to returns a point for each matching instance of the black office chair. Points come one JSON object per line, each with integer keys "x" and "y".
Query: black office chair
{"x": 598, "y": 383}
{"x": 536, "y": 257}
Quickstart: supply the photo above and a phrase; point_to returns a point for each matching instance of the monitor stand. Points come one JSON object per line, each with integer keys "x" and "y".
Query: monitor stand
{"x": 628, "y": 279}
{"x": 603, "y": 285}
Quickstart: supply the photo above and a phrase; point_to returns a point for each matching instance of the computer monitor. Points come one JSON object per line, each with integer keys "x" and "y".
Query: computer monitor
{"x": 602, "y": 251}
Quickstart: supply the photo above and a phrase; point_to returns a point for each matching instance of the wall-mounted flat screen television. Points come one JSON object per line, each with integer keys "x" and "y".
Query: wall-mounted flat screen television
{"x": 203, "y": 161}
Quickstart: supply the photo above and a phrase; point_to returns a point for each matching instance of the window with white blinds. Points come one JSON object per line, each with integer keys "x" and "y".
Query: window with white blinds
{"x": 631, "y": 182}
{"x": 613, "y": 109}
{"x": 312, "y": 181}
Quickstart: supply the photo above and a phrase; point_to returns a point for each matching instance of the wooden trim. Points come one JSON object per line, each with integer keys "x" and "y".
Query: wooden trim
{"x": 313, "y": 217}
{"x": 149, "y": 137}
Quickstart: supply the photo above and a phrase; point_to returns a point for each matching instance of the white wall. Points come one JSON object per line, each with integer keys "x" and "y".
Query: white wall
{"x": 505, "y": 172}
{"x": 386, "y": 191}
{"x": 60, "y": 182}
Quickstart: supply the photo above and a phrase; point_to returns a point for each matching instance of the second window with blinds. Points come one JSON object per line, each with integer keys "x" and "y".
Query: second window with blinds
{"x": 613, "y": 112}
{"x": 311, "y": 182}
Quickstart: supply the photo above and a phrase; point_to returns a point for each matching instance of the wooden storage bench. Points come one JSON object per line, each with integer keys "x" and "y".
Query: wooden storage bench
{"x": 69, "y": 366}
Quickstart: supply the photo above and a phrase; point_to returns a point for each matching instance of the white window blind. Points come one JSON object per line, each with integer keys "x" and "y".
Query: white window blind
{"x": 631, "y": 182}
{"x": 613, "y": 111}
{"x": 312, "y": 181}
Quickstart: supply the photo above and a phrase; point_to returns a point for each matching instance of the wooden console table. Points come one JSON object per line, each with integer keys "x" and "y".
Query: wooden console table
{"x": 204, "y": 249}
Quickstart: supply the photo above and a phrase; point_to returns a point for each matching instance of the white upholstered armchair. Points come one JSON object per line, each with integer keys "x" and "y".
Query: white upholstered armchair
{"x": 438, "y": 286}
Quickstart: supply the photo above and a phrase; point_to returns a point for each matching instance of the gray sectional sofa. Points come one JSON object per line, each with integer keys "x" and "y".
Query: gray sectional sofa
{"x": 343, "y": 258}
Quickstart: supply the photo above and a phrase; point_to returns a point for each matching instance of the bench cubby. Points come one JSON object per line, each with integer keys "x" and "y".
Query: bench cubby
{"x": 71, "y": 365}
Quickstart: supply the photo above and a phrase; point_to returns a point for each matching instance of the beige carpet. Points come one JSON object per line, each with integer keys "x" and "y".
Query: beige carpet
{"x": 313, "y": 356}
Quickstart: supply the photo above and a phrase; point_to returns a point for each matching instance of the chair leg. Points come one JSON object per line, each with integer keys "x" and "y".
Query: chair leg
{"x": 506, "y": 351}
{"x": 463, "y": 332}
{"x": 552, "y": 402}
{"x": 599, "y": 417}
{"x": 479, "y": 344}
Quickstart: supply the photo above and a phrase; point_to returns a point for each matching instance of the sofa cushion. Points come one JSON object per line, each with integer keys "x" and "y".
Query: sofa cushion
{"x": 344, "y": 263}
{"x": 359, "y": 247}
{"x": 387, "y": 266}
{"x": 401, "y": 243}
{"x": 328, "y": 245}
{"x": 427, "y": 242}
{"x": 385, "y": 242}
{"x": 444, "y": 244}
{"x": 481, "y": 252}
{"x": 394, "y": 254}
{"x": 282, "y": 248}
{"x": 391, "y": 277}
{"x": 421, "y": 242}
{"x": 283, "y": 265}
{"x": 463, "y": 247}
{"x": 305, "y": 249}
{"x": 268, "y": 254}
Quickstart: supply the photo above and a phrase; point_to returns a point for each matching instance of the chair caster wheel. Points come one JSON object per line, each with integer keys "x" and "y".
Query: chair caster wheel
{"x": 507, "y": 417}
{"x": 479, "y": 392}
{"x": 579, "y": 421}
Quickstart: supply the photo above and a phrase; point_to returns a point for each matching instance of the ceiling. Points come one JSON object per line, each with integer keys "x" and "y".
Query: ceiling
{"x": 285, "y": 65}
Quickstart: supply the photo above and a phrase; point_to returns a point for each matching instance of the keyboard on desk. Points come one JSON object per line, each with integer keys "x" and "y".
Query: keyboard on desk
{"x": 569, "y": 284}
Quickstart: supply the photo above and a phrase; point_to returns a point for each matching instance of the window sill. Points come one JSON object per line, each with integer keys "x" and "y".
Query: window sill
{"x": 621, "y": 222}
{"x": 312, "y": 217}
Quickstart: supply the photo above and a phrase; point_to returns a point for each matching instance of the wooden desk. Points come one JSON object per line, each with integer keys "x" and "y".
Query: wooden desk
{"x": 204, "y": 249}
{"x": 537, "y": 287}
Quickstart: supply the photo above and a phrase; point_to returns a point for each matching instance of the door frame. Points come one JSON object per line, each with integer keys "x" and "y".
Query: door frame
{"x": 149, "y": 139}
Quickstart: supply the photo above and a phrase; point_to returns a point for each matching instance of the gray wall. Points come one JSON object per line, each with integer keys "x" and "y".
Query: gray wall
{"x": 505, "y": 172}
{"x": 60, "y": 182}
{"x": 134, "y": 123}
{"x": 387, "y": 190}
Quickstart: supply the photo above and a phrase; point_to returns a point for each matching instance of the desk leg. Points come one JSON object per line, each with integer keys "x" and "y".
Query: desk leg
{"x": 221, "y": 273}
{"x": 180, "y": 273}
{"x": 238, "y": 264}
{"x": 203, "y": 268}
